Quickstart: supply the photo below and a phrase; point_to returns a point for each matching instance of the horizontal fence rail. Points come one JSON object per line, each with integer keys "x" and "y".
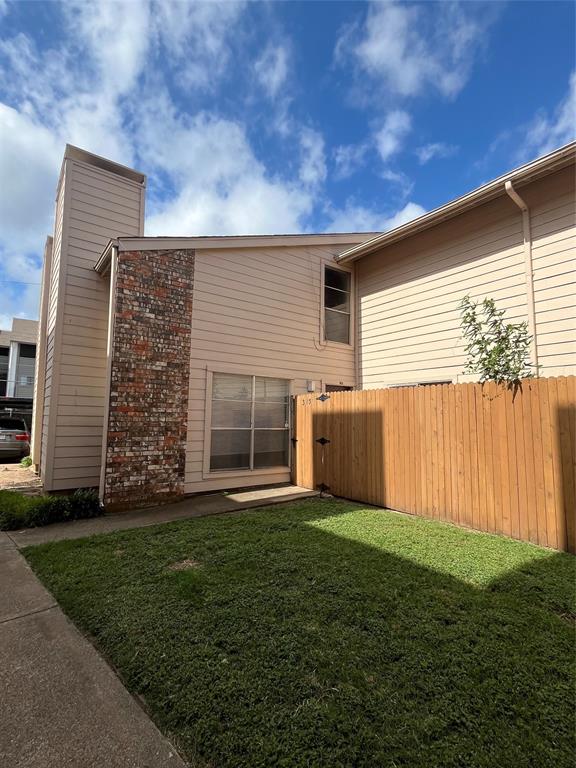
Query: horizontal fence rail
{"x": 480, "y": 455}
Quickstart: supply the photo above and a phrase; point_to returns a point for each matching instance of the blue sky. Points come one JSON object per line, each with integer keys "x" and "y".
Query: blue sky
{"x": 258, "y": 117}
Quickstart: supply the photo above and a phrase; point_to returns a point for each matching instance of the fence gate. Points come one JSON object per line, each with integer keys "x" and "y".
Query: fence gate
{"x": 483, "y": 456}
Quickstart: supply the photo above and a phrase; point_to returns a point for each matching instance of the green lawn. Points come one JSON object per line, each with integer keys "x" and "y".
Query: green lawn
{"x": 325, "y": 633}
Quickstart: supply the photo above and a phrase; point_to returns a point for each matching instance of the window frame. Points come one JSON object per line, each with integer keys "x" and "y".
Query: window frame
{"x": 209, "y": 473}
{"x": 324, "y": 265}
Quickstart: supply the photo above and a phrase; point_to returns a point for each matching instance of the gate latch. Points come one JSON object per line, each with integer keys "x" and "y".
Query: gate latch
{"x": 322, "y": 440}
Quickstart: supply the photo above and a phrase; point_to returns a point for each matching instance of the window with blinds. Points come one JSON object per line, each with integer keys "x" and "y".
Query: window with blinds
{"x": 250, "y": 426}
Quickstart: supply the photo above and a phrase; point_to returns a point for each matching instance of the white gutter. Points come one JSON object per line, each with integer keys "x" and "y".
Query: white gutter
{"x": 528, "y": 269}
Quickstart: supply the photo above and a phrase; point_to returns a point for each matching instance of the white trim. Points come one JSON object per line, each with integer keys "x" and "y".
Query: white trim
{"x": 109, "y": 347}
{"x": 240, "y": 241}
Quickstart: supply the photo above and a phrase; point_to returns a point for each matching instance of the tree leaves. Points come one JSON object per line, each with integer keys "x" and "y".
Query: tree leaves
{"x": 497, "y": 351}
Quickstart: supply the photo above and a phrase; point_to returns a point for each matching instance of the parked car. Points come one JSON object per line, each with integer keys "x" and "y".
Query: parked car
{"x": 14, "y": 437}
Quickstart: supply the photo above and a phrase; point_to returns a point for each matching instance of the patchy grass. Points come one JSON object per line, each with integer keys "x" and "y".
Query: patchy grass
{"x": 324, "y": 633}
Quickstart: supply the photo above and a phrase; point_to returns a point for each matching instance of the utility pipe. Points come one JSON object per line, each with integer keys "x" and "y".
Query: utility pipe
{"x": 528, "y": 269}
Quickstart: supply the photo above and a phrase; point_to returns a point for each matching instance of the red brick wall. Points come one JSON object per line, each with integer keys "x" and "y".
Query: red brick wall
{"x": 146, "y": 435}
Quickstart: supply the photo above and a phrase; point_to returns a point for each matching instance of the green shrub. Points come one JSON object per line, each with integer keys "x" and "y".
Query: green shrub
{"x": 26, "y": 461}
{"x": 20, "y": 511}
{"x": 85, "y": 503}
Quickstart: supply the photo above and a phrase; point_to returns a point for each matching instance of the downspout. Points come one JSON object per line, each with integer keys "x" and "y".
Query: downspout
{"x": 528, "y": 269}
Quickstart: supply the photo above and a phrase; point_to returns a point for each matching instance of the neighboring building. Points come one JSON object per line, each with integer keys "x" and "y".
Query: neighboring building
{"x": 166, "y": 364}
{"x": 17, "y": 362}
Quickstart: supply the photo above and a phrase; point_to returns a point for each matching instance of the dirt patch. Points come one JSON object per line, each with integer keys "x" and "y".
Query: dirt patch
{"x": 13, "y": 477}
{"x": 184, "y": 565}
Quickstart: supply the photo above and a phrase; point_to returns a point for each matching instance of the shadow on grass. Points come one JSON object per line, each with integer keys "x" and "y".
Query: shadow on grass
{"x": 328, "y": 634}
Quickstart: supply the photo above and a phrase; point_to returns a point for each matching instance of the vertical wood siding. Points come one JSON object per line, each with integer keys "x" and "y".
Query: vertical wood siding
{"x": 99, "y": 205}
{"x": 257, "y": 312}
{"x": 408, "y": 320}
{"x": 476, "y": 455}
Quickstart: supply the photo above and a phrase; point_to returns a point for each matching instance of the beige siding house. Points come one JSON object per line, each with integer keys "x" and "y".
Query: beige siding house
{"x": 166, "y": 365}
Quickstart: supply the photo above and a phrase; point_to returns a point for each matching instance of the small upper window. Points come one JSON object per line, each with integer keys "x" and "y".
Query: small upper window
{"x": 336, "y": 305}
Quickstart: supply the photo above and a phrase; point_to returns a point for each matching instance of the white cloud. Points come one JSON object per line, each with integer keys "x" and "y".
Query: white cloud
{"x": 550, "y": 131}
{"x": 313, "y": 162}
{"x": 409, "y": 48}
{"x": 436, "y": 149}
{"x": 271, "y": 69}
{"x": 358, "y": 218}
{"x": 117, "y": 36}
{"x": 404, "y": 185}
{"x": 403, "y": 216}
{"x": 545, "y": 131}
{"x": 390, "y": 137}
{"x": 198, "y": 37}
{"x": 349, "y": 158}
{"x": 30, "y": 158}
{"x": 221, "y": 187}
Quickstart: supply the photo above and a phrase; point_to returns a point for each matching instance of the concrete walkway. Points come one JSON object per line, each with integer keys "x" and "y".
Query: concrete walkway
{"x": 61, "y": 704}
{"x": 195, "y": 506}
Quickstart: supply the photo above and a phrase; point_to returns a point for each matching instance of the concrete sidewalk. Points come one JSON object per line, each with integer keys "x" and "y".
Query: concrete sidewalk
{"x": 62, "y": 706}
{"x": 195, "y": 506}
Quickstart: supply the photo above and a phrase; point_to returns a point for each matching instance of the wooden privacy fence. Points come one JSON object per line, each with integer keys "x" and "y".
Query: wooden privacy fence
{"x": 478, "y": 455}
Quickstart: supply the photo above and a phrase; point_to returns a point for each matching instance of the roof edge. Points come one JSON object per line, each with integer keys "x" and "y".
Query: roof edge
{"x": 542, "y": 166}
{"x": 105, "y": 257}
{"x": 240, "y": 241}
{"x": 81, "y": 155}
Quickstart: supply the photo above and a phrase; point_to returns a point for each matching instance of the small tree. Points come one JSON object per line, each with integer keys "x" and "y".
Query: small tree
{"x": 497, "y": 351}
